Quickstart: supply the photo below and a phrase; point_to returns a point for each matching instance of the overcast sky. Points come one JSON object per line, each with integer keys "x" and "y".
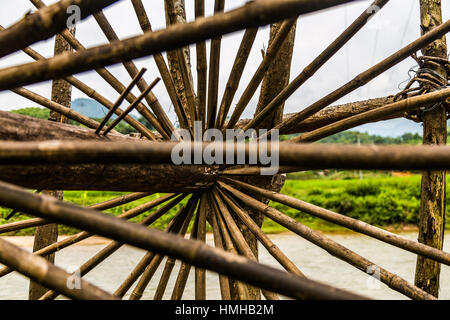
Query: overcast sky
{"x": 396, "y": 25}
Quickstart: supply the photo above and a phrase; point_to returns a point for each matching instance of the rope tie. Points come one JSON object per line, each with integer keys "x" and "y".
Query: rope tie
{"x": 428, "y": 80}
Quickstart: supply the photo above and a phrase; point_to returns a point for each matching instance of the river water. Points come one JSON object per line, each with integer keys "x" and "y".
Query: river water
{"x": 314, "y": 262}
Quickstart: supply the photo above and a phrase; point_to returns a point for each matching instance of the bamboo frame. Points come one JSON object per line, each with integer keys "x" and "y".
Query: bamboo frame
{"x": 350, "y": 223}
{"x": 318, "y": 62}
{"x": 175, "y": 36}
{"x": 392, "y": 280}
{"x": 132, "y": 70}
{"x": 144, "y": 22}
{"x": 190, "y": 251}
{"x": 368, "y": 75}
{"x": 271, "y": 54}
{"x": 235, "y": 75}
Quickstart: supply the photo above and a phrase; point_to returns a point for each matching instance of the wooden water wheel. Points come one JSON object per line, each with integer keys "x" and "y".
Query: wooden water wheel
{"x": 230, "y": 199}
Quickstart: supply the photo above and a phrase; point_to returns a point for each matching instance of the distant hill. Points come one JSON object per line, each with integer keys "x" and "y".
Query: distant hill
{"x": 90, "y": 108}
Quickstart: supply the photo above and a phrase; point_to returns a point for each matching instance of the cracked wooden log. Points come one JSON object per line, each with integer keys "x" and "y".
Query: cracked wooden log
{"x": 17, "y": 127}
{"x": 330, "y": 115}
{"x": 125, "y": 177}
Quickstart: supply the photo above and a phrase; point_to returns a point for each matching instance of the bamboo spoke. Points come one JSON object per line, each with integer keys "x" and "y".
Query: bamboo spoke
{"x": 161, "y": 64}
{"x": 401, "y": 106}
{"x": 235, "y": 75}
{"x": 251, "y": 15}
{"x": 392, "y": 280}
{"x": 262, "y": 237}
{"x": 371, "y": 73}
{"x": 120, "y": 100}
{"x": 185, "y": 268}
{"x": 41, "y": 271}
{"x": 239, "y": 239}
{"x": 113, "y": 246}
{"x": 238, "y": 290}
{"x": 271, "y": 54}
{"x": 108, "y": 77}
{"x": 350, "y": 223}
{"x": 19, "y": 225}
{"x": 317, "y": 63}
{"x": 218, "y": 242}
{"x": 202, "y": 67}
{"x": 133, "y": 72}
{"x": 200, "y": 274}
{"x": 170, "y": 263}
{"x": 91, "y": 93}
{"x": 84, "y": 235}
{"x": 132, "y": 106}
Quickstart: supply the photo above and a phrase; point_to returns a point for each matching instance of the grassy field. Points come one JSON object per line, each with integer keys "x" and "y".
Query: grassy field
{"x": 382, "y": 201}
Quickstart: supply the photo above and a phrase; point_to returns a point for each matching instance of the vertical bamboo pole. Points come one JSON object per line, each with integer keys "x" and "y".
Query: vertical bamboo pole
{"x": 432, "y": 207}
{"x": 47, "y": 234}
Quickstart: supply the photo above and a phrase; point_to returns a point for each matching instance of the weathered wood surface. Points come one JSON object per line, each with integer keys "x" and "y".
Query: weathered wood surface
{"x": 125, "y": 177}
{"x": 329, "y": 115}
{"x": 433, "y": 187}
{"x": 17, "y": 127}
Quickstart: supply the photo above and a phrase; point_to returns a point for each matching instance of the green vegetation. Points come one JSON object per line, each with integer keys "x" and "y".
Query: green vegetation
{"x": 41, "y": 113}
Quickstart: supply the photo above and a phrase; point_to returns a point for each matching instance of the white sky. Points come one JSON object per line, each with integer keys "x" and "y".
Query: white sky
{"x": 396, "y": 25}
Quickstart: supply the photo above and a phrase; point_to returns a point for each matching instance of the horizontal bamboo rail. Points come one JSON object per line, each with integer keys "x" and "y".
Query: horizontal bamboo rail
{"x": 392, "y": 280}
{"x": 45, "y": 273}
{"x": 253, "y": 14}
{"x": 110, "y": 177}
{"x": 350, "y": 223}
{"x": 45, "y": 23}
{"x": 193, "y": 252}
{"x": 409, "y": 104}
{"x": 29, "y": 154}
